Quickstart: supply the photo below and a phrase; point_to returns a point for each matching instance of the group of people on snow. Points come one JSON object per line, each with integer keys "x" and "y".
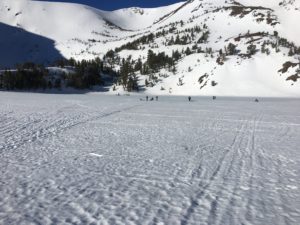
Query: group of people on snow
{"x": 150, "y": 99}
{"x": 189, "y": 98}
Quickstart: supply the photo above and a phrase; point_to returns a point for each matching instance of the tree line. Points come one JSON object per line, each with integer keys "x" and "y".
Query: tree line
{"x": 80, "y": 75}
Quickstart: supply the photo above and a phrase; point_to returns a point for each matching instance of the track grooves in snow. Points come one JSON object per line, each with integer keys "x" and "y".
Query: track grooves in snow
{"x": 23, "y": 135}
{"x": 115, "y": 160}
{"x": 215, "y": 178}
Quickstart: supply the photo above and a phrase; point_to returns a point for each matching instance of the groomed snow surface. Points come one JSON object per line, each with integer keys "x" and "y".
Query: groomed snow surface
{"x": 96, "y": 159}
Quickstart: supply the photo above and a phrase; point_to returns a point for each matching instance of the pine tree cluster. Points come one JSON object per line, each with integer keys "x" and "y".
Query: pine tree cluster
{"x": 83, "y": 74}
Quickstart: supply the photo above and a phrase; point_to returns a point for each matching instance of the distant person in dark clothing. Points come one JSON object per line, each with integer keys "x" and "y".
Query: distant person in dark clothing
{"x": 156, "y": 98}
{"x": 147, "y": 98}
{"x": 214, "y": 97}
{"x": 190, "y": 98}
{"x": 152, "y": 99}
{"x": 256, "y": 100}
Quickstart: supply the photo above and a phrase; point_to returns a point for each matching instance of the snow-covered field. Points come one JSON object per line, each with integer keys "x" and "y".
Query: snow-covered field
{"x": 96, "y": 159}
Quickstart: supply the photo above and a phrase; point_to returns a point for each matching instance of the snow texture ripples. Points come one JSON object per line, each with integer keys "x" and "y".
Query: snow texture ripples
{"x": 96, "y": 159}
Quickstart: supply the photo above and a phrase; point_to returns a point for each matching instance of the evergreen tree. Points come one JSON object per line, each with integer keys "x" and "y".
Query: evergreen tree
{"x": 188, "y": 51}
{"x": 231, "y": 49}
{"x": 251, "y": 49}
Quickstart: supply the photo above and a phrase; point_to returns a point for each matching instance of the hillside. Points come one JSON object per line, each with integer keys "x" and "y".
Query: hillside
{"x": 197, "y": 47}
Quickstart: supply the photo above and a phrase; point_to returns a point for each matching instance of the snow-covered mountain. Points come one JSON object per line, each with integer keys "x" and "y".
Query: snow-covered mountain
{"x": 239, "y": 48}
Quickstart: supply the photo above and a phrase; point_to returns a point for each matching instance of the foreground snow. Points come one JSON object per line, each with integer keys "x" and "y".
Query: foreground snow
{"x": 95, "y": 159}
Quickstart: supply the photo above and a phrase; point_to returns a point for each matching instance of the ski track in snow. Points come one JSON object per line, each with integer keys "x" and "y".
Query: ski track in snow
{"x": 96, "y": 159}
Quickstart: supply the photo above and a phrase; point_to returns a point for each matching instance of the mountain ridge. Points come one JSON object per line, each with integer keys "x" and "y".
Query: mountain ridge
{"x": 204, "y": 28}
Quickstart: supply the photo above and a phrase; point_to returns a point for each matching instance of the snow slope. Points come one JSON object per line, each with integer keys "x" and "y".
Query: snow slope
{"x": 92, "y": 32}
{"x": 96, "y": 159}
{"x": 18, "y": 45}
{"x": 56, "y": 21}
